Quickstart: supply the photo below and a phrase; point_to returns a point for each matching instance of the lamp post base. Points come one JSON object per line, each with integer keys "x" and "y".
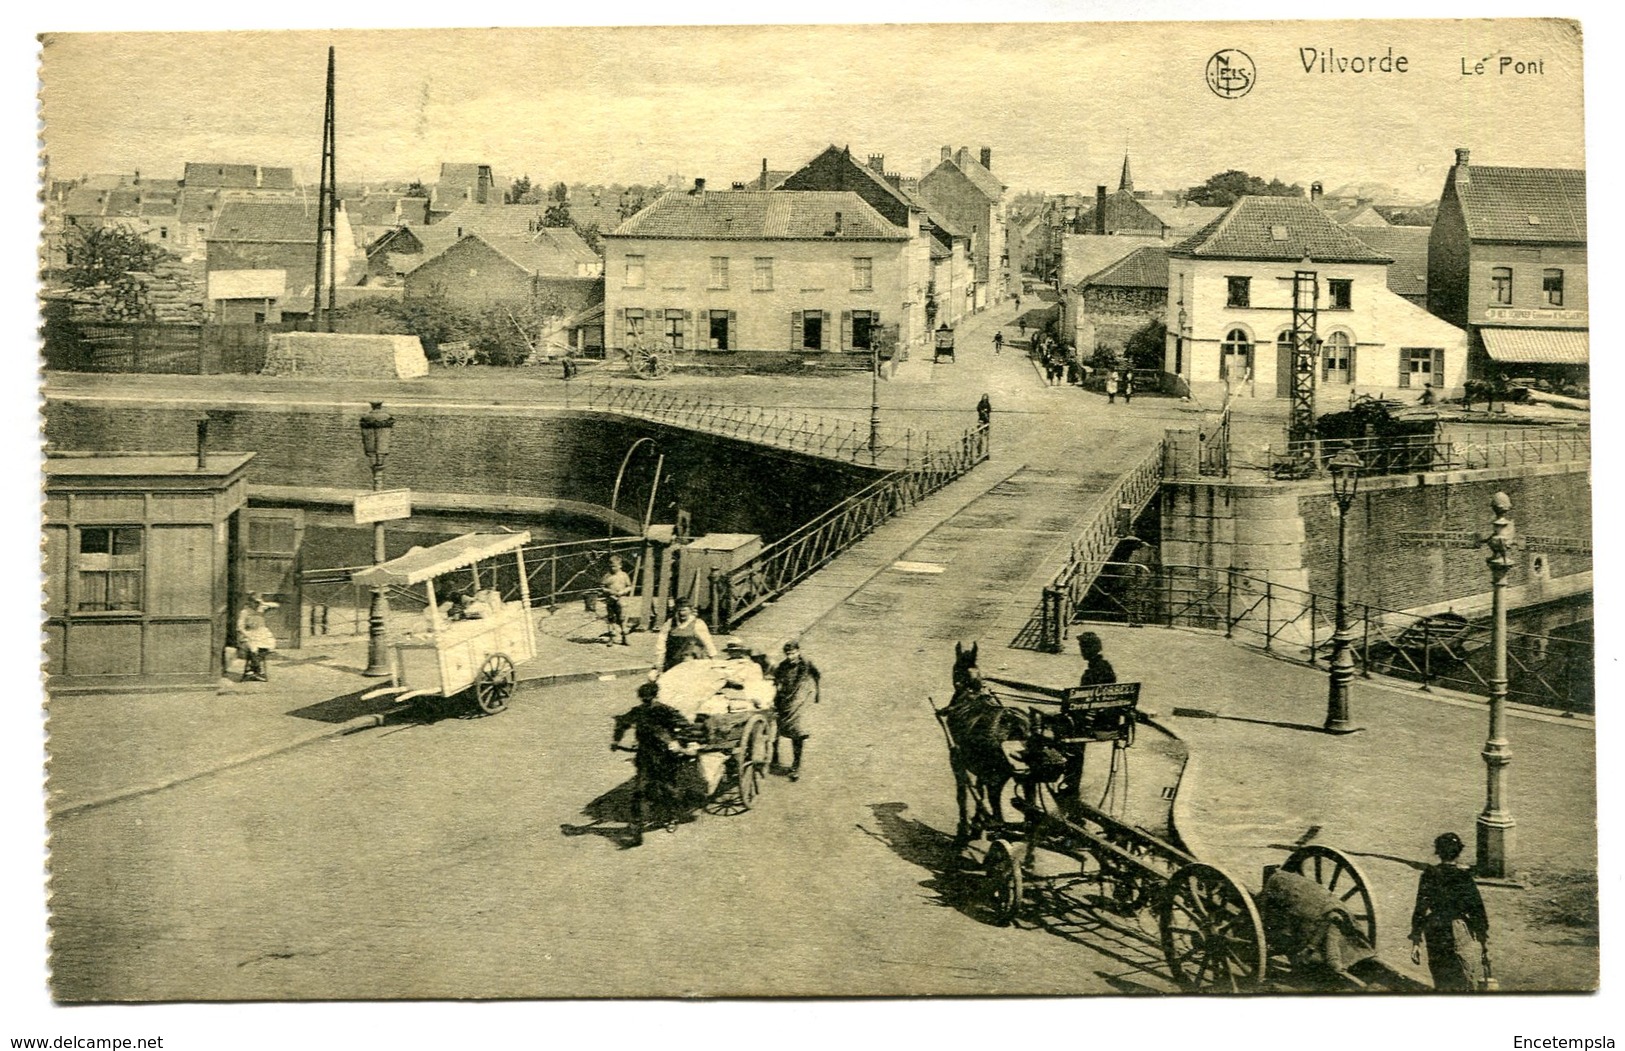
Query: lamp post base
{"x": 377, "y": 647}
{"x": 1496, "y": 840}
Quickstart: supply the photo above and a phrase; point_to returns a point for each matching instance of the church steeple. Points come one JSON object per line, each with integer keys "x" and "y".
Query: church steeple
{"x": 1127, "y": 182}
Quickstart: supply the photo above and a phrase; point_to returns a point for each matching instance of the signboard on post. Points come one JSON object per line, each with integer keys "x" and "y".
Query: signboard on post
{"x": 384, "y": 506}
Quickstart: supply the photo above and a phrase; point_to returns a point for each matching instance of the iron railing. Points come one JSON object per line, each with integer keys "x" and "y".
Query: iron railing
{"x": 330, "y": 604}
{"x": 1094, "y": 544}
{"x": 829, "y": 437}
{"x": 783, "y": 564}
{"x": 1543, "y": 669}
{"x": 1405, "y": 454}
{"x": 1215, "y": 453}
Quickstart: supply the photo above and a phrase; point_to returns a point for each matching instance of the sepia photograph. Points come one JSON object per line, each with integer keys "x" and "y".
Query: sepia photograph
{"x": 914, "y": 511}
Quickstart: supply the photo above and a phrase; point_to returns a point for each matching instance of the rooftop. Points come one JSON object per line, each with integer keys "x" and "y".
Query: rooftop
{"x": 753, "y": 215}
{"x": 1277, "y": 228}
{"x": 1522, "y": 204}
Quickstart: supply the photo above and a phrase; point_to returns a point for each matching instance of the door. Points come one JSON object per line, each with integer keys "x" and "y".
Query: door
{"x": 271, "y": 567}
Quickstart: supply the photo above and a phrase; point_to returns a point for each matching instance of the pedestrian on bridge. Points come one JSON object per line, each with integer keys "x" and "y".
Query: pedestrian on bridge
{"x": 1128, "y": 386}
{"x": 796, "y": 684}
{"x": 687, "y": 638}
{"x": 1450, "y": 918}
{"x": 998, "y": 341}
{"x": 1111, "y": 387}
{"x": 984, "y": 411}
{"x": 1099, "y": 671}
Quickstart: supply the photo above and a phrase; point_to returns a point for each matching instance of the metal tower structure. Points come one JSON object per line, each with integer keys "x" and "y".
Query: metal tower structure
{"x": 1305, "y": 344}
{"x": 326, "y": 214}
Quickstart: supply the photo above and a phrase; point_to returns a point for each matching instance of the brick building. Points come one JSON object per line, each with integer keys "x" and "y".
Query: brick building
{"x": 964, "y": 190}
{"x": 1507, "y": 262}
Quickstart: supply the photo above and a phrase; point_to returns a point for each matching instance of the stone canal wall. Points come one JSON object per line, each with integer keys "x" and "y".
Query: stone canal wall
{"x": 1287, "y": 533}
{"x": 727, "y": 485}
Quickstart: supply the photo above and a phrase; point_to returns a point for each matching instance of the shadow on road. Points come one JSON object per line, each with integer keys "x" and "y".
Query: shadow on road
{"x": 344, "y": 708}
{"x": 959, "y": 884}
{"x": 611, "y": 816}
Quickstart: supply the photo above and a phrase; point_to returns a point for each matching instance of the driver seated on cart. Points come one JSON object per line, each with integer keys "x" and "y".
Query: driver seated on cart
{"x": 661, "y": 752}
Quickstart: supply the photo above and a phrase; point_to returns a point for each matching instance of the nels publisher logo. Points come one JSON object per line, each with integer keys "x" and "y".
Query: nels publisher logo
{"x": 1231, "y": 73}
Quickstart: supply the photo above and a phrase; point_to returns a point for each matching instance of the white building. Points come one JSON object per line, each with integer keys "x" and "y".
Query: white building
{"x": 1230, "y": 310}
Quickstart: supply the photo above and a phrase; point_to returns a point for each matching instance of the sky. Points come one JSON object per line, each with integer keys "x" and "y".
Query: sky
{"x": 1058, "y": 103}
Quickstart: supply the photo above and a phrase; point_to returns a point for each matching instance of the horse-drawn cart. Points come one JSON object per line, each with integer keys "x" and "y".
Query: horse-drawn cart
{"x": 729, "y": 708}
{"x": 1312, "y": 924}
{"x": 472, "y": 644}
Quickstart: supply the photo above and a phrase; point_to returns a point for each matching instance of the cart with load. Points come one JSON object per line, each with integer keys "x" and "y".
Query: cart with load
{"x": 468, "y": 643}
{"x": 728, "y": 704}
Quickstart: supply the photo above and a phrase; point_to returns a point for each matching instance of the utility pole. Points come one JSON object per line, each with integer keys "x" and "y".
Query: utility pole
{"x": 1305, "y": 342}
{"x": 326, "y": 216}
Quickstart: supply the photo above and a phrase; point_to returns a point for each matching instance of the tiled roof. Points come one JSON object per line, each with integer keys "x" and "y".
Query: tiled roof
{"x": 265, "y": 222}
{"x": 196, "y": 206}
{"x": 84, "y": 200}
{"x": 1276, "y": 228}
{"x": 1124, "y": 214}
{"x": 1408, "y": 247}
{"x": 1145, "y": 267}
{"x": 979, "y": 176}
{"x": 1086, "y": 254}
{"x": 514, "y": 230}
{"x": 1523, "y": 204}
{"x": 123, "y": 203}
{"x": 752, "y": 215}
{"x": 375, "y": 209}
{"x": 236, "y": 176}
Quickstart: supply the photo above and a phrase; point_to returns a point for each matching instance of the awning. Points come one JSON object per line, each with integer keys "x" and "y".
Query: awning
{"x": 1538, "y": 346}
{"x": 422, "y": 563}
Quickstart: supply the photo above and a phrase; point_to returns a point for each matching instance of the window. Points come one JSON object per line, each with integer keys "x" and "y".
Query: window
{"x": 1236, "y": 354}
{"x": 163, "y": 233}
{"x": 634, "y": 271}
{"x": 719, "y": 271}
{"x": 674, "y": 329}
{"x": 863, "y": 273}
{"x": 1240, "y": 291}
{"x": 719, "y": 330}
{"x": 762, "y": 278}
{"x": 110, "y": 568}
{"x": 1419, "y": 366}
{"x": 634, "y": 325}
{"x": 1501, "y": 285}
{"x": 862, "y": 330}
{"x": 1341, "y": 292}
{"x": 812, "y": 330}
{"x": 1335, "y": 357}
{"x": 1551, "y": 283}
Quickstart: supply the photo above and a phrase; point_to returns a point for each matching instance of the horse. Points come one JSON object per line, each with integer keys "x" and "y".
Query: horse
{"x": 982, "y": 735}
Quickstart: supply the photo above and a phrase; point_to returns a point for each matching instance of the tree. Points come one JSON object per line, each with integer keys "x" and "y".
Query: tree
{"x": 1145, "y": 347}
{"x": 520, "y": 191}
{"x": 1224, "y": 189}
{"x": 105, "y": 259}
{"x": 417, "y": 189}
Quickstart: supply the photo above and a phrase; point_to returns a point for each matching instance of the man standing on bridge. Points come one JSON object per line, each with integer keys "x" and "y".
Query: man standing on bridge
{"x": 1100, "y": 671}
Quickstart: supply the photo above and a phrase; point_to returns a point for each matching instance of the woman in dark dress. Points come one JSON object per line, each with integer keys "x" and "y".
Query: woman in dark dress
{"x": 1449, "y": 916}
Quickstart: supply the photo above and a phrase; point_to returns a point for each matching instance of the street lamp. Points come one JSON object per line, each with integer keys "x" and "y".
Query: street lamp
{"x": 1345, "y": 468}
{"x": 1495, "y": 824}
{"x": 375, "y": 430}
{"x": 874, "y": 396}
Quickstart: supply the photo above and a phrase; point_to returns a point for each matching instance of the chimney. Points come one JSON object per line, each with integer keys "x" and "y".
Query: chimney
{"x": 699, "y": 188}
{"x": 738, "y": 186}
{"x": 877, "y": 163}
{"x": 138, "y": 176}
{"x": 1462, "y": 173}
{"x": 259, "y": 176}
{"x": 837, "y": 224}
{"x": 987, "y": 157}
{"x": 1100, "y": 209}
{"x": 895, "y": 180}
{"x": 947, "y": 153}
{"x": 202, "y": 442}
{"x": 1315, "y": 191}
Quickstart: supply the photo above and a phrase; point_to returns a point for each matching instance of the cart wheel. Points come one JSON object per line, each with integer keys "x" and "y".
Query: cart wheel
{"x": 1126, "y": 888}
{"x": 1212, "y": 936}
{"x": 1343, "y": 880}
{"x": 750, "y": 759}
{"x": 1003, "y": 883}
{"x": 495, "y": 683}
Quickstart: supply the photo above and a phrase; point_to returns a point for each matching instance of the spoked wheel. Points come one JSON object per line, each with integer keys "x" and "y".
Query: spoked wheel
{"x": 1125, "y": 887}
{"x": 750, "y": 759}
{"x": 1337, "y": 873}
{"x": 654, "y": 366}
{"x": 1212, "y": 936}
{"x": 494, "y": 685}
{"x": 1004, "y": 883}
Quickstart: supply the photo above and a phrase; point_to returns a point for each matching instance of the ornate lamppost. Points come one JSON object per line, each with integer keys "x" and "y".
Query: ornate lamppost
{"x": 375, "y": 431}
{"x": 1345, "y": 468}
{"x": 1495, "y": 824}
{"x": 875, "y": 338}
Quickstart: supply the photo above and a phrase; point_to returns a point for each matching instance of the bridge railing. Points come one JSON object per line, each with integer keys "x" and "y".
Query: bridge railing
{"x": 783, "y": 564}
{"x": 1406, "y": 454}
{"x": 826, "y": 436}
{"x": 1543, "y": 669}
{"x": 1094, "y": 544}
